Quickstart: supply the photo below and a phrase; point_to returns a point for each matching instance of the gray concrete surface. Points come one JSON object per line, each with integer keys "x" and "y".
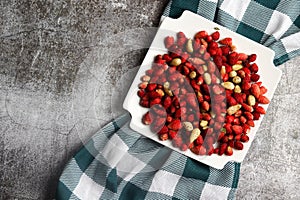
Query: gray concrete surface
{"x": 60, "y": 83}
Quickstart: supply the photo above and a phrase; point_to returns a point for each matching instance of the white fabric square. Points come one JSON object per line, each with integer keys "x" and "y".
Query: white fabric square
{"x": 87, "y": 189}
{"x": 278, "y": 25}
{"x": 114, "y": 150}
{"x": 164, "y": 182}
{"x": 214, "y": 192}
{"x": 129, "y": 166}
{"x": 235, "y": 8}
{"x": 292, "y": 42}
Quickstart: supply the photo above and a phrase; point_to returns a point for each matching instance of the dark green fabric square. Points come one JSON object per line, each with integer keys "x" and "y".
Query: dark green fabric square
{"x": 297, "y": 22}
{"x": 196, "y": 170}
{"x": 281, "y": 60}
{"x": 178, "y": 6}
{"x": 250, "y": 32}
{"x": 272, "y": 4}
{"x": 236, "y": 175}
{"x": 112, "y": 181}
{"x": 132, "y": 192}
{"x": 116, "y": 126}
{"x": 62, "y": 192}
{"x": 191, "y": 5}
{"x": 175, "y": 12}
{"x": 84, "y": 158}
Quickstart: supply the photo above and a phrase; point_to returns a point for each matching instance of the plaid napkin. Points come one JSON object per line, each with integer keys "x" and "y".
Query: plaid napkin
{"x": 118, "y": 163}
{"x": 273, "y": 23}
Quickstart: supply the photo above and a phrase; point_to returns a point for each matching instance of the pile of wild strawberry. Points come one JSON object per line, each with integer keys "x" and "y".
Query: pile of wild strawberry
{"x": 203, "y": 95}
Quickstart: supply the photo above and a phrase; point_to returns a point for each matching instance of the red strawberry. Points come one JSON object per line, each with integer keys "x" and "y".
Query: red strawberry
{"x": 181, "y": 41}
{"x": 144, "y": 103}
{"x": 229, "y": 119}
{"x": 163, "y": 130}
{"x": 208, "y": 38}
{"x": 251, "y": 123}
{"x": 206, "y": 116}
{"x": 172, "y": 134}
{"x": 260, "y": 110}
{"x": 181, "y": 35}
{"x": 159, "y": 121}
{"x": 167, "y": 58}
{"x": 175, "y": 125}
{"x": 238, "y": 97}
{"x": 153, "y": 94}
{"x": 233, "y": 58}
{"x": 244, "y": 138}
{"x": 243, "y": 119}
{"x": 231, "y": 101}
{"x": 147, "y": 118}
{"x": 237, "y": 129}
{"x": 252, "y": 58}
{"x": 151, "y": 86}
{"x": 248, "y": 115}
{"x": 263, "y": 90}
{"x": 226, "y": 41}
{"x": 191, "y": 99}
{"x": 256, "y": 116}
{"x": 215, "y": 35}
{"x": 255, "y": 77}
{"x": 255, "y": 90}
{"x": 218, "y": 60}
{"x": 246, "y": 85}
{"x": 228, "y": 128}
{"x": 221, "y": 135}
{"x": 254, "y": 68}
{"x": 263, "y": 100}
{"x": 242, "y": 56}
{"x": 225, "y": 50}
{"x": 222, "y": 149}
{"x": 169, "y": 41}
{"x": 201, "y": 34}
{"x": 247, "y": 107}
{"x": 141, "y": 93}
{"x": 155, "y": 101}
{"x": 246, "y": 128}
{"x": 167, "y": 102}
{"x": 238, "y": 145}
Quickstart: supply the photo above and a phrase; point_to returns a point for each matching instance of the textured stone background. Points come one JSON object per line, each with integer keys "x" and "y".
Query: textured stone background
{"x": 60, "y": 83}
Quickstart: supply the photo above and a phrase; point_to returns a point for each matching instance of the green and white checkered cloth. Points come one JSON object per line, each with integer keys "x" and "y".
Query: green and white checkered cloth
{"x": 273, "y": 23}
{"x": 119, "y": 163}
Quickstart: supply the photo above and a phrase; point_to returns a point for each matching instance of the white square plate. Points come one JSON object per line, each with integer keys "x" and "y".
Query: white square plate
{"x": 190, "y": 24}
